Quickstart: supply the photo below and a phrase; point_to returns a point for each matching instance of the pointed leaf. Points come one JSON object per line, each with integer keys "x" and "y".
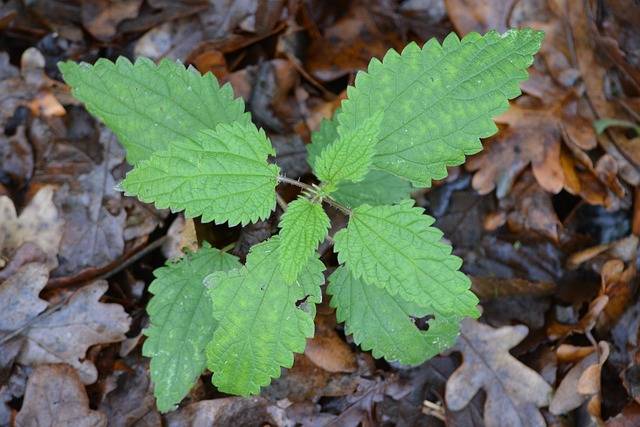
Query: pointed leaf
{"x": 181, "y": 323}
{"x": 382, "y": 322}
{"x": 223, "y": 176}
{"x": 324, "y": 136}
{"x": 349, "y": 157}
{"x": 262, "y": 320}
{"x": 396, "y": 248}
{"x": 152, "y": 107}
{"x": 303, "y": 226}
{"x": 439, "y": 100}
{"x": 377, "y": 187}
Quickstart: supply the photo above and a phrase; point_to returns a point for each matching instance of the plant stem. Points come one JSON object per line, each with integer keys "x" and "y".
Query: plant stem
{"x": 296, "y": 183}
{"x": 345, "y": 210}
{"x": 314, "y": 190}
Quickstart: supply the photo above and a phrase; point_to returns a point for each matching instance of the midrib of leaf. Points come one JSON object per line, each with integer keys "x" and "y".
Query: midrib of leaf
{"x": 375, "y": 312}
{"x": 446, "y": 95}
{"x": 169, "y": 98}
{"x": 141, "y": 112}
{"x": 495, "y": 374}
{"x": 411, "y": 261}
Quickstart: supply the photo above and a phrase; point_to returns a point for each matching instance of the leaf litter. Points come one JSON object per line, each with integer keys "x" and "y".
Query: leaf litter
{"x": 546, "y": 217}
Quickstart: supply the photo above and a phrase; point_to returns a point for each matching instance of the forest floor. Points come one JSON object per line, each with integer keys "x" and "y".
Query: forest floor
{"x": 546, "y": 218}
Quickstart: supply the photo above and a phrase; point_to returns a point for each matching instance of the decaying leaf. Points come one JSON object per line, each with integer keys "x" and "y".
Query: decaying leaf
{"x": 38, "y": 223}
{"x": 230, "y": 411}
{"x": 19, "y": 305}
{"x": 63, "y": 336}
{"x": 581, "y": 382}
{"x": 56, "y": 397}
{"x": 514, "y": 391}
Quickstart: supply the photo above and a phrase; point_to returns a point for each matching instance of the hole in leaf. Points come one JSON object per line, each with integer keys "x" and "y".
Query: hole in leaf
{"x": 422, "y": 323}
{"x": 302, "y": 304}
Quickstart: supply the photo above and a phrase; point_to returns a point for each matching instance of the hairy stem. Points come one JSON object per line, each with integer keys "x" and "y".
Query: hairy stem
{"x": 312, "y": 189}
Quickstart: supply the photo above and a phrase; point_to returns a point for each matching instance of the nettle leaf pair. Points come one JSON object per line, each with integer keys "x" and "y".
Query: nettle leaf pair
{"x": 194, "y": 149}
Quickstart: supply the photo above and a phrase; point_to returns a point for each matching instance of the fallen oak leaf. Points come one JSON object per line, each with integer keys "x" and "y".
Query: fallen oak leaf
{"x": 19, "y": 305}
{"x": 38, "y": 223}
{"x": 55, "y": 396}
{"x": 64, "y": 335}
{"x": 533, "y": 136}
{"x": 514, "y": 391}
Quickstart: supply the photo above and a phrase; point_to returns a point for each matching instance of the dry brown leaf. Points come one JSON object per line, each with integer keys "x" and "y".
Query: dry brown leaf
{"x": 101, "y": 17}
{"x": 584, "y": 326}
{"x": 63, "y": 336}
{"x": 349, "y": 44}
{"x": 532, "y": 137}
{"x": 129, "y": 399}
{"x": 479, "y": 15}
{"x": 616, "y": 143}
{"x": 514, "y": 391}
{"x": 56, "y": 397}
{"x": 326, "y": 349}
{"x": 581, "y": 382}
{"x": 19, "y": 305}
{"x": 619, "y": 285}
{"x": 229, "y": 411}
{"x": 38, "y": 223}
{"x": 19, "y": 301}
{"x": 530, "y": 210}
{"x": 181, "y": 235}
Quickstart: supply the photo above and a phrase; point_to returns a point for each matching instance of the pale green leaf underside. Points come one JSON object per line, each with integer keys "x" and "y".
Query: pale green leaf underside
{"x": 222, "y": 175}
{"x": 382, "y": 322}
{"x": 396, "y": 248}
{"x": 152, "y": 107}
{"x": 303, "y": 226}
{"x": 377, "y": 187}
{"x": 439, "y": 100}
{"x": 181, "y": 323}
{"x": 349, "y": 157}
{"x": 259, "y": 324}
{"x": 321, "y": 138}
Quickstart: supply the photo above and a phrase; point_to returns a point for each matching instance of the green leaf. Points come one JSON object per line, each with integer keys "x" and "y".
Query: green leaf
{"x": 349, "y": 157}
{"x": 326, "y": 134}
{"x": 377, "y": 187}
{"x": 149, "y": 107}
{"x": 223, "y": 175}
{"x": 439, "y": 100}
{"x": 396, "y": 248}
{"x": 303, "y": 226}
{"x": 602, "y": 124}
{"x": 181, "y": 323}
{"x": 383, "y": 323}
{"x": 262, "y": 319}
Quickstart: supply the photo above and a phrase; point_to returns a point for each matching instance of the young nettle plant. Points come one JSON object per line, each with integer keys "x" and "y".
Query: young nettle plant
{"x": 194, "y": 149}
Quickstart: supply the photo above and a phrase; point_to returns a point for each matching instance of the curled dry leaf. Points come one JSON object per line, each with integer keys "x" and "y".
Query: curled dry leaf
{"x": 38, "y": 223}
{"x": 619, "y": 285}
{"x": 585, "y": 325}
{"x": 581, "y": 382}
{"x": 533, "y": 136}
{"x": 514, "y": 391}
{"x": 530, "y": 210}
{"x": 66, "y": 334}
{"x": 326, "y": 349}
{"x": 55, "y": 396}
